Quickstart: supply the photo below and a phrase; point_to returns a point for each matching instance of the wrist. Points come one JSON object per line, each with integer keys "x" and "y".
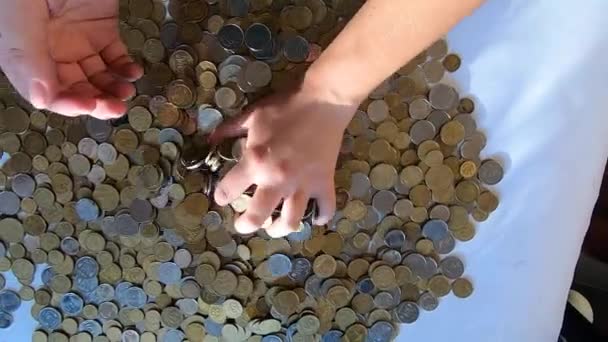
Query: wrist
{"x": 332, "y": 86}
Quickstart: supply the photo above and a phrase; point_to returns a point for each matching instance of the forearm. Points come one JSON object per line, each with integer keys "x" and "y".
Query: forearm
{"x": 382, "y": 37}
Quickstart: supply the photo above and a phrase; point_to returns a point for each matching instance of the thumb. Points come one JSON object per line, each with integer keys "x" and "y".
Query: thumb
{"x": 32, "y": 75}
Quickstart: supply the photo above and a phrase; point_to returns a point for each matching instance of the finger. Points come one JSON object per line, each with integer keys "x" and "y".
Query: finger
{"x": 117, "y": 58}
{"x": 110, "y": 85}
{"x": 291, "y": 214}
{"x": 70, "y": 74}
{"x": 108, "y": 107}
{"x": 326, "y": 201}
{"x": 234, "y": 127}
{"x": 260, "y": 209}
{"x": 72, "y": 104}
{"x": 129, "y": 71}
{"x": 236, "y": 181}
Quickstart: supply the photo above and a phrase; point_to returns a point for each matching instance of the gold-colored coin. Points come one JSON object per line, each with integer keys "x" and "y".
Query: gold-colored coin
{"x": 462, "y": 288}
{"x": 324, "y": 266}
{"x": 468, "y": 169}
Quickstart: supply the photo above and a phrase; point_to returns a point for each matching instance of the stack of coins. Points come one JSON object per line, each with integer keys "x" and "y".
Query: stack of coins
{"x": 118, "y": 216}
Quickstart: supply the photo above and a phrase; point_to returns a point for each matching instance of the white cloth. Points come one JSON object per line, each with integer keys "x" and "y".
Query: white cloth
{"x": 539, "y": 73}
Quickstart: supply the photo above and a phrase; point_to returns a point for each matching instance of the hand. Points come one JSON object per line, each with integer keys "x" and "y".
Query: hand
{"x": 67, "y": 55}
{"x": 293, "y": 140}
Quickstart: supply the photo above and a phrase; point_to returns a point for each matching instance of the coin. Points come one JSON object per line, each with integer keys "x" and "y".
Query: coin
{"x": 462, "y": 288}
{"x": 490, "y": 172}
{"x": 121, "y": 211}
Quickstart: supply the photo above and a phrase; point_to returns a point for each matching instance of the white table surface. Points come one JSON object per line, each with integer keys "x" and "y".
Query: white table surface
{"x": 539, "y": 73}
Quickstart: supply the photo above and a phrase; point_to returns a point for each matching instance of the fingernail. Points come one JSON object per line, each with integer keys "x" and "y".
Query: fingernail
{"x": 38, "y": 94}
{"x": 220, "y": 196}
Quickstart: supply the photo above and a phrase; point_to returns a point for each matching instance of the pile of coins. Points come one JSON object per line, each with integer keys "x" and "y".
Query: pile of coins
{"x": 118, "y": 215}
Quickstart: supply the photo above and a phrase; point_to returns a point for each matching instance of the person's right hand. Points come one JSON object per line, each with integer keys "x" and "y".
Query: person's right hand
{"x": 67, "y": 55}
{"x": 293, "y": 140}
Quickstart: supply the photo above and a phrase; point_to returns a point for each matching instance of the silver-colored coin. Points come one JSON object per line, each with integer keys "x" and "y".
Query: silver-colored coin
{"x": 470, "y": 126}
{"x": 415, "y": 262}
{"x": 272, "y": 338}
{"x": 229, "y": 73}
{"x": 429, "y": 269}
{"x": 422, "y": 130}
{"x": 451, "y": 267}
{"x": 428, "y": 302}
{"x": 435, "y": 230}
{"x": 420, "y": 108}
{"x": 9, "y": 301}
{"x": 141, "y": 210}
{"x": 87, "y": 210}
{"x": 438, "y": 118}
{"x": 49, "y": 318}
{"x": 109, "y": 227}
{"x": 172, "y": 335}
{"x": 170, "y": 135}
{"x": 403, "y": 208}
{"x": 258, "y": 74}
{"x": 407, "y": 312}
{"x": 303, "y": 234}
{"x": 86, "y": 267}
{"x": 6, "y": 320}
{"x": 23, "y": 185}
{"x": 366, "y": 285}
{"x": 208, "y": 119}
{"x": 433, "y": 71}
{"x": 86, "y": 285}
{"x": 381, "y": 331}
{"x": 69, "y": 245}
{"x": 234, "y": 60}
{"x": 91, "y": 326}
{"x": 169, "y": 273}
{"x": 88, "y": 147}
{"x": 104, "y": 293}
{"x": 383, "y": 300}
{"x": 100, "y": 130}
{"x": 360, "y": 185}
{"x": 392, "y": 257}
{"x": 130, "y": 336}
{"x": 107, "y": 153}
{"x": 377, "y": 111}
{"x": 136, "y": 297}
{"x": 188, "y": 306}
{"x": 394, "y": 238}
{"x": 97, "y": 174}
{"x": 384, "y": 201}
{"x": 121, "y": 292}
{"x": 300, "y": 270}
{"x": 296, "y": 49}
{"x": 372, "y": 218}
{"x": 47, "y": 275}
{"x": 71, "y": 304}
{"x": 332, "y": 336}
{"x": 126, "y": 225}
{"x": 212, "y": 220}
{"x": 279, "y": 265}
{"x": 155, "y": 103}
{"x": 182, "y": 258}
{"x": 440, "y": 212}
{"x": 490, "y": 172}
{"x": 173, "y": 238}
{"x": 231, "y": 36}
{"x": 443, "y": 97}
{"x": 470, "y": 150}
{"x": 312, "y": 286}
{"x": 9, "y": 203}
{"x": 445, "y": 245}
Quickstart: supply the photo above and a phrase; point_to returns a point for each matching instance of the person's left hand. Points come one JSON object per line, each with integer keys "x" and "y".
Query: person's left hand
{"x": 67, "y": 55}
{"x": 293, "y": 140}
